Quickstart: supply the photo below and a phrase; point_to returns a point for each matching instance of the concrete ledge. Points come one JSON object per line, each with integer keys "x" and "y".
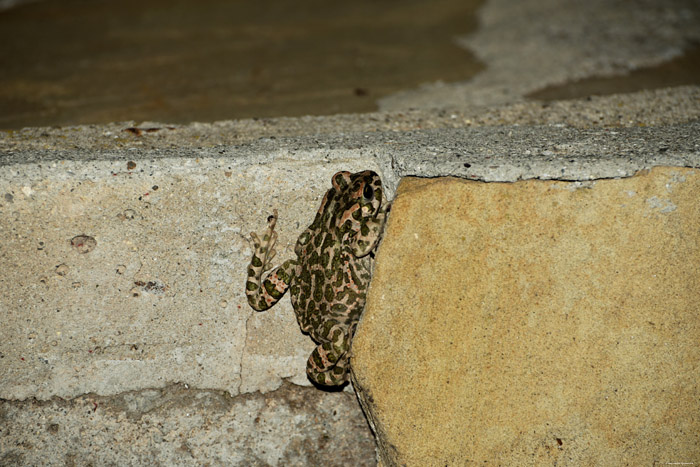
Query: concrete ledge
{"x": 491, "y": 153}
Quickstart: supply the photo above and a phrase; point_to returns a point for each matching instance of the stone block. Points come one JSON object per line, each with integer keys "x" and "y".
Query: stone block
{"x": 536, "y": 323}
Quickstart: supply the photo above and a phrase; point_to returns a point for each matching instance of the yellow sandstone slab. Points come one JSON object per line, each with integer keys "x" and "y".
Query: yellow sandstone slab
{"x": 536, "y": 322}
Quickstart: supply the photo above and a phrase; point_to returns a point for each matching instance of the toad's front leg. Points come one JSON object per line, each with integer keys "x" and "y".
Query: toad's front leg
{"x": 262, "y": 294}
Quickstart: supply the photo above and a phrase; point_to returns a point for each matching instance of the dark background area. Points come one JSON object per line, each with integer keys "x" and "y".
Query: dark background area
{"x": 68, "y": 62}
{"x": 79, "y": 61}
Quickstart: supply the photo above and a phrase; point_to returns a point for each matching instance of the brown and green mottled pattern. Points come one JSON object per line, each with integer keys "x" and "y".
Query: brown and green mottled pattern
{"x": 329, "y": 278}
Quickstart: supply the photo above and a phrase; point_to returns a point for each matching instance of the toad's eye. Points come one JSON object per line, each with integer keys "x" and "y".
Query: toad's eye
{"x": 368, "y": 193}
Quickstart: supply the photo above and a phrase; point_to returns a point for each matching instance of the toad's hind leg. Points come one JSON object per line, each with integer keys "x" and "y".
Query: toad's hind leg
{"x": 262, "y": 294}
{"x": 328, "y": 364}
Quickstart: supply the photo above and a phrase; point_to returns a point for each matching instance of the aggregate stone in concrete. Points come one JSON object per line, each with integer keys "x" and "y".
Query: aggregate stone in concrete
{"x": 176, "y": 425}
{"x": 536, "y": 323}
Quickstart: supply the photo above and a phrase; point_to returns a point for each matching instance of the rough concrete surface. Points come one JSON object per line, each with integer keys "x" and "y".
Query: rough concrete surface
{"x": 492, "y": 152}
{"x": 641, "y": 109}
{"x": 180, "y": 426}
{"x": 536, "y": 323}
